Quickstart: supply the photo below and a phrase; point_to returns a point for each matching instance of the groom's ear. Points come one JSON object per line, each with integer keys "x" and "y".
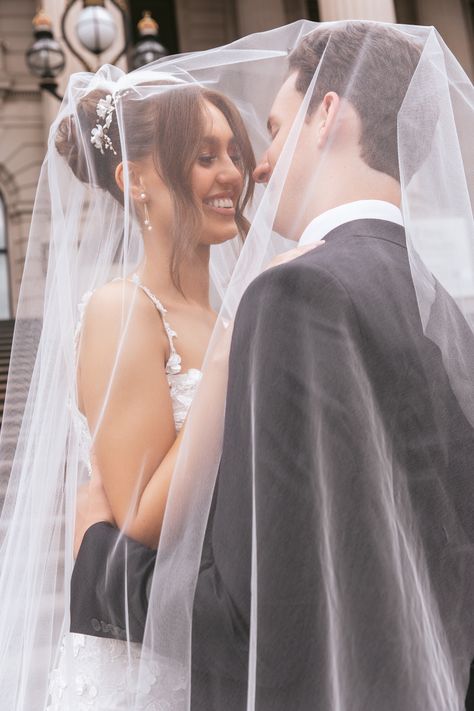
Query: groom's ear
{"x": 325, "y": 117}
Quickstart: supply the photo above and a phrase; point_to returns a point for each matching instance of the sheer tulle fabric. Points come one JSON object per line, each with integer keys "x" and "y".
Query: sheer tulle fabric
{"x": 348, "y": 596}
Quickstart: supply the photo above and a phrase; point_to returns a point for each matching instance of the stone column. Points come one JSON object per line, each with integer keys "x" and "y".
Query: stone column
{"x": 257, "y": 16}
{"x": 381, "y": 10}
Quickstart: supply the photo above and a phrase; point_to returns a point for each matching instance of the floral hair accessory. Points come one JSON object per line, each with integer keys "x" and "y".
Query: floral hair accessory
{"x": 99, "y": 135}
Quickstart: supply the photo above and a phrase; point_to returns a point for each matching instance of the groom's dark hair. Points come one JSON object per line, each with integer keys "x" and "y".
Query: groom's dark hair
{"x": 370, "y": 65}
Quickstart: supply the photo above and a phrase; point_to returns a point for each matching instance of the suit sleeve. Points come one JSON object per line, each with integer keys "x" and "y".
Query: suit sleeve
{"x": 110, "y": 585}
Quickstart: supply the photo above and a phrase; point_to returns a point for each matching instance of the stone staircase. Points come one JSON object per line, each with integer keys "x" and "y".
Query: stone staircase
{"x": 6, "y": 337}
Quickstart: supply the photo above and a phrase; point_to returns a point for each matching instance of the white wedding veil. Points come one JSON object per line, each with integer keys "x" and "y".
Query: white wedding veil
{"x": 363, "y": 578}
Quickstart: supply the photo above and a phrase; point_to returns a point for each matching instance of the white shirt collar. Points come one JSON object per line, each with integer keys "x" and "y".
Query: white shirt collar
{"x": 357, "y": 210}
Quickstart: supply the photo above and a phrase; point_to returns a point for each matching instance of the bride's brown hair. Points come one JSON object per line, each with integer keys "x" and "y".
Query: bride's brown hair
{"x": 169, "y": 126}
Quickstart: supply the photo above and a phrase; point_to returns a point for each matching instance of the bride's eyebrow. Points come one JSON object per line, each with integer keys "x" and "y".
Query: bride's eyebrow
{"x": 212, "y": 142}
{"x": 209, "y": 142}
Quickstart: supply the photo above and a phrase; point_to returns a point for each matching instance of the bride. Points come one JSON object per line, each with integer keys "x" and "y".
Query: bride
{"x": 150, "y": 328}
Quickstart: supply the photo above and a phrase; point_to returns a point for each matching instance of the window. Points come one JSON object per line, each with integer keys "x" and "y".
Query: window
{"x": 313, "y": 10}
{"x": 4, "y": 270}
{"x": 469, "y": 13}
{"x": 406, "y": 12}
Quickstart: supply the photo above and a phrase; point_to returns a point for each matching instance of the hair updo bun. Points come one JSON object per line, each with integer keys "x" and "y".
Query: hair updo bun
{"x": 73, "y": 142}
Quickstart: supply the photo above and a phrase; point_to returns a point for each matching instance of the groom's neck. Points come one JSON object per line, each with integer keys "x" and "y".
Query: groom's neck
{"x": 348, "y": 182}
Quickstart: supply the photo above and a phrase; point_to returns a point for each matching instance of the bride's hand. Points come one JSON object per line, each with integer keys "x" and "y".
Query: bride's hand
{"x": 92, "y": 506}
{"x": 293, "y": 254}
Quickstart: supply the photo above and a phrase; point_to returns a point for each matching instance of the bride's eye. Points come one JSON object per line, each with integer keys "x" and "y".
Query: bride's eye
{"x": 206, "y": 159}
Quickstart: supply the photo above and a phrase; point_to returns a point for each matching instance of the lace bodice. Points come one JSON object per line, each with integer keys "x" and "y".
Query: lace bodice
{"x": 182, "y": 385}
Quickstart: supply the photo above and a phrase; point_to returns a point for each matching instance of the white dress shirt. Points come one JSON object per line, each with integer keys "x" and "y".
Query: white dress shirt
{"x": 357, "y": 210}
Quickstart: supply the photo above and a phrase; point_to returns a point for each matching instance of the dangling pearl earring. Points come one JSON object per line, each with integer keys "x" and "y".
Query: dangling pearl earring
{"x": 146, "y": 221}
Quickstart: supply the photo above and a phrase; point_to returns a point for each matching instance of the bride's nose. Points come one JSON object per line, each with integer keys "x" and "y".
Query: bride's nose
{"x": 262, "y": 172}
{"x": 229, "y": 173}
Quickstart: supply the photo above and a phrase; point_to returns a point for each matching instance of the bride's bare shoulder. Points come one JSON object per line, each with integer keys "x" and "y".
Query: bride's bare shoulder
{"x": 118, "y": 311}
{"x": 112, "y": 296}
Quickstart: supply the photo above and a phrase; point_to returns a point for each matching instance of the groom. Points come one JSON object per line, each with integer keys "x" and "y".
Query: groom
{"x": 319, "y": 318}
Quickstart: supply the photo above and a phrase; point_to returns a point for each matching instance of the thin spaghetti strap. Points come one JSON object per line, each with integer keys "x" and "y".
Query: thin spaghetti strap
{"x": 173, "y": 365}
{"x": 81, "y": 307}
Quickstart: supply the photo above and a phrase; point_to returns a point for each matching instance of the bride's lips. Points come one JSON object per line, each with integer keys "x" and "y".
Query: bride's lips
{"x": 222, "y": 204}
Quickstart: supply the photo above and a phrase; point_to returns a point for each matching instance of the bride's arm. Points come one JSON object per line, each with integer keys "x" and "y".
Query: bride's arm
{"x": 207, "y": 429}
{"x": 124, "y": 393}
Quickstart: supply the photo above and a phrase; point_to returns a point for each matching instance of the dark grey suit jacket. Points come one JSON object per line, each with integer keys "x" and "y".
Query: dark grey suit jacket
{"x": 360, "y": 284}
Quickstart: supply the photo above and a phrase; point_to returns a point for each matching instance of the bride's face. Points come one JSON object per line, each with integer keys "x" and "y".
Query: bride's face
{"x": 217, "y": 178}
{"x": 214, "y": 184}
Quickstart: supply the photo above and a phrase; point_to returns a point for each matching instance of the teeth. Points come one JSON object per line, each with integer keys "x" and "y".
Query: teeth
{"x": 220, "y": 202}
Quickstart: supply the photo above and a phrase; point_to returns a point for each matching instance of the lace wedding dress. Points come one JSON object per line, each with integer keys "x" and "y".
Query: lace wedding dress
{"x": 98, "y": 674}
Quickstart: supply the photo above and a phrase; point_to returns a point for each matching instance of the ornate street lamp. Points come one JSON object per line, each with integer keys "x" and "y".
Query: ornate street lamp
{"x": 45, "y": 58}
{"x": 148, "y": 48}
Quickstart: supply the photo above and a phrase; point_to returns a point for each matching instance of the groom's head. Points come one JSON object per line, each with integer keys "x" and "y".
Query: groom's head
{"x": 353, "y": 79}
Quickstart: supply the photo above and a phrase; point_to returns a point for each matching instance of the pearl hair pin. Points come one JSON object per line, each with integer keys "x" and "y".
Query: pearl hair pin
{"x": 100, "y": 138}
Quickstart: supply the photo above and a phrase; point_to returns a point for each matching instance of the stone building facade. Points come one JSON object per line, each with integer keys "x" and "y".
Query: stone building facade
{"x": 26, "y": 113}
